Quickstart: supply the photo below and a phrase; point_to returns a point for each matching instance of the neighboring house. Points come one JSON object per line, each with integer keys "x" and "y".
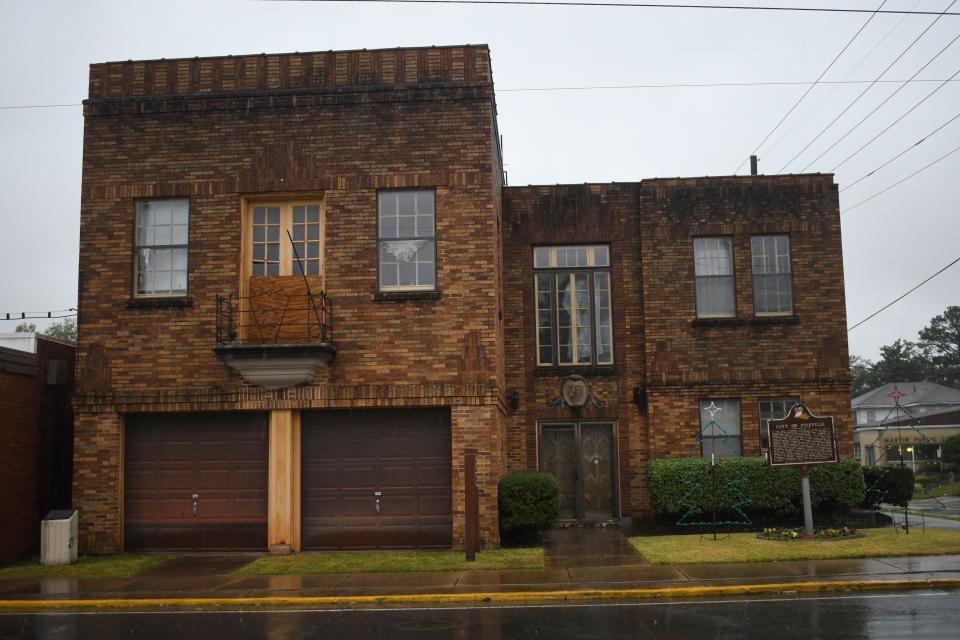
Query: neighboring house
{"x": 928, "y": 414}
{"x": 306, "y": 293}
{"x": 36, "y": 428}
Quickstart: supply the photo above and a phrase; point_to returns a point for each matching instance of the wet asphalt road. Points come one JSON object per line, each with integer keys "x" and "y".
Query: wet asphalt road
{"x": 913, "y": 614}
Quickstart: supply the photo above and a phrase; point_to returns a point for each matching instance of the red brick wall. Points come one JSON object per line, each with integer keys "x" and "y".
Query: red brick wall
{"x": 35, "y": 429}
{"x": 20, "y": 412}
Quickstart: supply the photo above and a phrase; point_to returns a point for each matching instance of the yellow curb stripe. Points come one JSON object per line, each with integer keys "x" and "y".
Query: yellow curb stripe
{"x": 495, "y": 596}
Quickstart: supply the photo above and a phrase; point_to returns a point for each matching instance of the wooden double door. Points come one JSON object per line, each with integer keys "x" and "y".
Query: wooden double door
{"x": 583, "y": 457}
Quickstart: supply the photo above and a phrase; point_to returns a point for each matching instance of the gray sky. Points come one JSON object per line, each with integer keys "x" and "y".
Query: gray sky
{"x": 890, "y": 244}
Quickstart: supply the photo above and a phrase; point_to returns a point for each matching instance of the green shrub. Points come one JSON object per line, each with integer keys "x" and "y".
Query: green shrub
{"x": 892, "y": 485}
{"x": 836, "y": 488}
{"x": 771, "y": 492}
{"x": 529, "y": 502}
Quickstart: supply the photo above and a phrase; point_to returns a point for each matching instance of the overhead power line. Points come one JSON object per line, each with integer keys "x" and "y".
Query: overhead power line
{"x": 887, "y": 306}
{"x": 810, "y": 88}
{"x": 895, "y": 122}
{"x": 640, "y": 5}
{"x": 902, "y": 180}
{"x": 879, "y": 106}
{"x": 836, "y": 84}
{"x": 870, "y": 86}
{"x": 907, "y": 150}
{"x": 39, "y": 315}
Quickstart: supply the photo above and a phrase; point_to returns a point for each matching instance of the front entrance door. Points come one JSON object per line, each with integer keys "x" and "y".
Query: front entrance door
{"x": 582, "y": 456}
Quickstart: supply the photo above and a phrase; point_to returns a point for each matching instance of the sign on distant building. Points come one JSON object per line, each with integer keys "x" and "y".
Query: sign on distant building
{"x": 802, "y": 438}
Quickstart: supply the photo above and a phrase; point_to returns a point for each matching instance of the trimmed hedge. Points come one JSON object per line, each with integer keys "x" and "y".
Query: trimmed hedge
{"x": 529, "y": 501}
{"x": 772, "y": 492}
{"x": 892, "y": 485}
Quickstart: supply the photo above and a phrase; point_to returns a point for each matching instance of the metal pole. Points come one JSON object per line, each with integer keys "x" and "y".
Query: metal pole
{"x": 471, "y": 505}
{"x": 807, "y": 508}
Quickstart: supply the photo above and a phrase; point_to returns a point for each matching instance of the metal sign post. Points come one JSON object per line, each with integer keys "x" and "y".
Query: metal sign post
{"x": 807, "y": 507}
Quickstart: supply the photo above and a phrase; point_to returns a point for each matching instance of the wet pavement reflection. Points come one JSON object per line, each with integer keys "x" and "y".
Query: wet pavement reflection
{"x": 914, "y": 614}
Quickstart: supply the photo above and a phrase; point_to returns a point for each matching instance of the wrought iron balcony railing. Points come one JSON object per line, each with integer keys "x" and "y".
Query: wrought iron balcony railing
{"x": 275, "y": 317}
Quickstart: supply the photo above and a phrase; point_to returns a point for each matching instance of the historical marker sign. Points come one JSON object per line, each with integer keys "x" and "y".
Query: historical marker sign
{"x": 802, "y": 439}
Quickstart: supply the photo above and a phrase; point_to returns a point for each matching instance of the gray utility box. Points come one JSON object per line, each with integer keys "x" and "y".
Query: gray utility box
{"x": 58, "y": 537}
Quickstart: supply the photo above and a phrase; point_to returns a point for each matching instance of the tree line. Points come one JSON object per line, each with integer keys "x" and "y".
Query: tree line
{"x": 934, "y": 357}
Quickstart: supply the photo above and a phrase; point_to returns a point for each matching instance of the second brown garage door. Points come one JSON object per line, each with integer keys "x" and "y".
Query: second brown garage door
{"x": 376, "y": 479}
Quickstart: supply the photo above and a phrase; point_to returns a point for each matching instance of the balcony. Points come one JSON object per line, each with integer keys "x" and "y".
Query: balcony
{"x": 275, "y": 338}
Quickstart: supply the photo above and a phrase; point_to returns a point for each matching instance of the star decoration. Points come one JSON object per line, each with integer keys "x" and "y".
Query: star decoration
{"x": 896, "y": 394}
{"x": 713, "y": 409}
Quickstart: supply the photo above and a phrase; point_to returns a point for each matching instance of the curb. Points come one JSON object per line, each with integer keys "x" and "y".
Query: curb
{"x": 482, "y": 597}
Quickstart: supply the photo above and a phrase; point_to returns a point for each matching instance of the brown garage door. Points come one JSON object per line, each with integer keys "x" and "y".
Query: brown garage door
{"x": 221, "y": 458}
{"x": 350, "y": 456}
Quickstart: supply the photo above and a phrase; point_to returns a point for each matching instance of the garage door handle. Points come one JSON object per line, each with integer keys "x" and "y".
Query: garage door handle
{"x": 376, "y": 495}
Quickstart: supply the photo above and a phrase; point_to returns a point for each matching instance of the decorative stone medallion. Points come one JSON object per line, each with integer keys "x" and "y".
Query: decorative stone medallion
{"x": 575, "y": 394}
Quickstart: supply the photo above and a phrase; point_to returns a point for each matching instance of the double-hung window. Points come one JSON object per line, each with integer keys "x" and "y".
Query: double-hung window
{"x": 772, "y": 409}
{"x": 713, "y": 269}
{"x": 160, "y": 260}
{"x": 772, "y": 288}
{"x": 406, "y": 241}
{"x": 574, "y": 323}
{"x": 720, "y": 428}
{"x": 271, "y": 250}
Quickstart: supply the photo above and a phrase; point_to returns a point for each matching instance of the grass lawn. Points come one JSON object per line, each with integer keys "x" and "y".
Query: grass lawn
{"x": 950, "y": 489}
{"x": 122, "y": 565}
{"x": 391, "y": 562}
{"x": 746, "y": 547}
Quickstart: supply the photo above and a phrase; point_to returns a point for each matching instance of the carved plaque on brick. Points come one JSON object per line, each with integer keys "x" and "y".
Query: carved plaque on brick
{"x": 802, "y": 438}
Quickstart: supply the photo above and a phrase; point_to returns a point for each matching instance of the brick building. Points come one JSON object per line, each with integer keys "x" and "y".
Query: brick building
{"x": 36, "y": 428}
{"x": 306, "y": 292}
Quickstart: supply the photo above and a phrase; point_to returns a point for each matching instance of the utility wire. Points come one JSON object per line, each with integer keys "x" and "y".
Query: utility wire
{"x": 836, "y": 84}
{"x": 862, "y": 93}
{"x": 895, "y": 122}
{"x": 913, "y": 146}
{"x": 877, "y": 108}
{"x": 901, "y": 181}
{"x": 887, "y": 306}
{"x": 40, "y": 106}
{"x": 638, "y": 5}
{"x": 38, "y": 315}
{"x": 810, "y": 88}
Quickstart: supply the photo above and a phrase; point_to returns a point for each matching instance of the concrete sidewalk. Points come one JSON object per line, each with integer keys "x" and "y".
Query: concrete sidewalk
{"x": 208, "y": 581}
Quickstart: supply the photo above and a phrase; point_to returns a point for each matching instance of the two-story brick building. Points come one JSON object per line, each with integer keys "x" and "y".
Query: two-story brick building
{"x": 306, "y": 292}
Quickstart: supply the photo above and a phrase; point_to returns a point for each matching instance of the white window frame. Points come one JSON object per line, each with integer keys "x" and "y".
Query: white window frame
{"x": 704, "y": 263}
{"x": 420, "y": 235}
{"x": 724, "y": 404}
{"x": 549, "y": 264}
{"x": 775, "y": 267}
{"x": 148, "y": 243}
{"x": 788, "y": 401}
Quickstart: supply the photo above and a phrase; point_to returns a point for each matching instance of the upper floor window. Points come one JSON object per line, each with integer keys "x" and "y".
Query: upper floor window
{"x": 160, "y": 261}
{"x": 720, "y": 428}
{"x": 406, "y": 240}
{"x": 573, "y": 318}
{"x": 773, "y": 409}
{"x": 713, "y": 269}
{"x": 271, "y": 250}
{"x": 772, "y": 286}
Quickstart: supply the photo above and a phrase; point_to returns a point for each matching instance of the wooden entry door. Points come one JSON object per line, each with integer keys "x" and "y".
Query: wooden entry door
{"x": 582, "y": 456}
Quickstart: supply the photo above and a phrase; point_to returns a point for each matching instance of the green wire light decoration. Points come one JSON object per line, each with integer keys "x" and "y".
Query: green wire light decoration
{"x": 695, "y": 487}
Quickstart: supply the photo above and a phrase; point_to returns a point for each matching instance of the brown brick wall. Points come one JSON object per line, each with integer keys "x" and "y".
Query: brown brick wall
{"x": 659, "y": 344}
{"x": 339, "y": 125}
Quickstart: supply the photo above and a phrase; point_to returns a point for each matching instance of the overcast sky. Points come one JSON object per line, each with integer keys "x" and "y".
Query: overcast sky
{"x": 562, "y": 136}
